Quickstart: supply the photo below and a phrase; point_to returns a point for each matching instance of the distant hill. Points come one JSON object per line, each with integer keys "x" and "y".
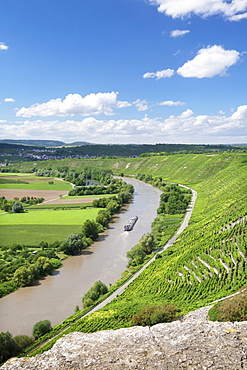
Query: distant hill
{"x": 46, "y": 143}
{"x": 35, "y": 150}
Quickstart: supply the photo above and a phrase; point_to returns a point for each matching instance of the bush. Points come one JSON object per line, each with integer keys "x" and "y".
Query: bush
{"x": 23, "y": 341}
{"x": 41, "y": 328}
{"x": 232, "y": 309}
{"x": 152, "y": 315}
{"x": 17, "y": 207}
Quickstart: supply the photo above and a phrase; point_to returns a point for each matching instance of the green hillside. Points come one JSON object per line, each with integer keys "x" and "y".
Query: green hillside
{"x": 208, "y": 261}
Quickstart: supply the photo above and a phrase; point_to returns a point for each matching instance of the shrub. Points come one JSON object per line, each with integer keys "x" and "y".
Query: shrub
{"x": 232, "y": 309}
{"x": 17, "y": 207}
{"x": 23, "y": 341}
{"x": 152, "y": 315}
{"x": 41, "y": 328}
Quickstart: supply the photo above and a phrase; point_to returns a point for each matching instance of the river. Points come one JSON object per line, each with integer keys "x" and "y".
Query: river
{"x": 55, "y": 297}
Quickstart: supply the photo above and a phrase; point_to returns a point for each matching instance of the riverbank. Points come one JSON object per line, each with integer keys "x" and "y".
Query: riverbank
{"x": 56, "y": 297}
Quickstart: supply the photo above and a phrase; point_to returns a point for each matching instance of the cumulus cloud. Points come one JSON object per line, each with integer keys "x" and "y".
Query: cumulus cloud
{"x": 141, "y": 104}
{"x": 91, "y": 104}
{"x": 170, "y": 103}
{"x": 166, "y": 73}
{"x": 177, "y": 33}
{"x": 209, "y": 62}
{"x": 9, "y": 100}
{"x": 3, "y": 46}
{"x": 230, "y": 9}
{"x": 186, "y": 127}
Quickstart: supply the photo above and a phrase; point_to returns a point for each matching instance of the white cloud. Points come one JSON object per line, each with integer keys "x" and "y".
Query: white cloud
{"x": 209, "y": 62}
{"x": 9, "y": 100}
{"x": 177, "y": 33}
{"x": 3, "y": 46}
{"x": 3, "y": 120}
{"x": 141, "y": 104}
{"x": 185, "y": 127}
{"x": 231, "y": 9}
{"x": 238, "y": 17}
{"x": 91, "y": 104}
{"x": 241, "y": 113}
{"x": 170, "y": 103}
{"x": 166, "y": 73}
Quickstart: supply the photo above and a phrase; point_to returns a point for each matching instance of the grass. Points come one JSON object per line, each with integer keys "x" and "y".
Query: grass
{"x": 49, "y": 217}
{"x": 39, "y": 185}
{"x": 60, "y": 206}
{"x": 34, "y": 234}
{"x": 88, "y": 196}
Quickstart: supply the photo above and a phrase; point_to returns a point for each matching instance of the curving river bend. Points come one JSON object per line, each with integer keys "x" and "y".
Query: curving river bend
{"x": 55, "y": 297}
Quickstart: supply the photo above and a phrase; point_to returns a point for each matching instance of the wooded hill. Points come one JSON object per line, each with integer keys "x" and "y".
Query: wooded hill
{"x": 37, "y": 150}
{"x": 208, "y": 261}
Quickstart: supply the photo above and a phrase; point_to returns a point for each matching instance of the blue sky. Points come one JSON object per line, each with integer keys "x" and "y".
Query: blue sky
{"x": 124, "y": 71}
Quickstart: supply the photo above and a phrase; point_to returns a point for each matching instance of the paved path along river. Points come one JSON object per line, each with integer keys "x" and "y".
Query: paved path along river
{"x": 56, "y": 296}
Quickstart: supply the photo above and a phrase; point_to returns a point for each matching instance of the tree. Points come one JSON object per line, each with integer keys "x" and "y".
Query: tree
{"x": 90, "y": 229}
{"x": 103, "y": 217}
{"x": 94, "y": 293}
{"x": 8, "y": 346}
{"x": 23, "y": 276}
{"x": 72, "y": 245}
{"x": 136, "y": 255}
{"x": 147, "y": 242}
{"x": 17, "y": 207}
{"x": 113, "y": 206}
{"x": 41, "y": 328}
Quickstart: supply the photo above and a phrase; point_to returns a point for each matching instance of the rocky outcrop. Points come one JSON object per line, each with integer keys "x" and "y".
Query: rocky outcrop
{"x": 191, "y": 344}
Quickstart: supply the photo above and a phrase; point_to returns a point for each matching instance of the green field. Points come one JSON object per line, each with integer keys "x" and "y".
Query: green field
{"x": 49, "y": 217}
{"x": 39, "y": 185}
{"x": 44, "y": 225}
{"x": 17, "y": 175}
{"x": 59, "y": 206}
{"x": 88, "y": 196}
{"x": 34, "y": 234}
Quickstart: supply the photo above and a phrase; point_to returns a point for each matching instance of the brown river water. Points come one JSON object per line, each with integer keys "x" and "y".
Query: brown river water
{"x": 55, "y": 297}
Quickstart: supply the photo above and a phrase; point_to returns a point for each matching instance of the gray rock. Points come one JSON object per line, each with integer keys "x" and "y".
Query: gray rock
{"x": 190, "y": 344}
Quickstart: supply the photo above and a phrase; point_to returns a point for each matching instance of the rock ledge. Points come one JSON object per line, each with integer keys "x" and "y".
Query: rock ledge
{"x": 191, "y": 344}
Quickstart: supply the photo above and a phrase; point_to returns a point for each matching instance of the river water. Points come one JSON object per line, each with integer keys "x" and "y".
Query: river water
{"x": 55, "y": 297}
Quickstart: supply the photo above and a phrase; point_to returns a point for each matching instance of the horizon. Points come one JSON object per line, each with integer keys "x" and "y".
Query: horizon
{"x": 139, "y": 71}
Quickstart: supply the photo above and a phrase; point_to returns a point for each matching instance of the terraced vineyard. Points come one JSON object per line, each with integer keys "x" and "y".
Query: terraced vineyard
{"x": 208, "y": 260}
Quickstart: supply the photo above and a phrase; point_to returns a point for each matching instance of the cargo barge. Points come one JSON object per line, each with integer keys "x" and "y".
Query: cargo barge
{"x": 129, "y": 226}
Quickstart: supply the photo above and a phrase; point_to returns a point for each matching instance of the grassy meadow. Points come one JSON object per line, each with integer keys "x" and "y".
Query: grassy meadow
{"x": 39, "y": 185}
{"x": 34, "y": 234}
{"x": 48, "y": 225}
